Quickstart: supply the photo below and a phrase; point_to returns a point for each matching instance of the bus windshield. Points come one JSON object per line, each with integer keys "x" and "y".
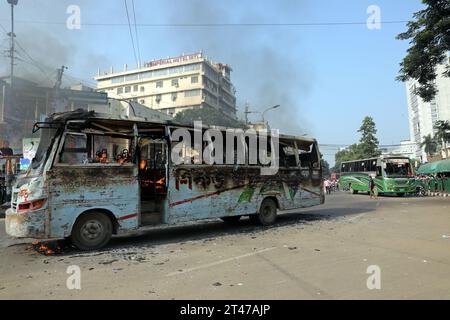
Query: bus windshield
{"x": 397, "y": 168}
{"x": 44, "y": 148}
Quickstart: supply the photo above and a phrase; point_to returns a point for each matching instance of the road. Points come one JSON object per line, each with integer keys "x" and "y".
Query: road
{"x": 322, "y": 253}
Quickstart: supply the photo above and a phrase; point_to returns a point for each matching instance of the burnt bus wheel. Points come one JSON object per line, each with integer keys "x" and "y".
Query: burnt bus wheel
{"x": 231, "y": 219}
{"x": 91, "y": 231}
{"x": 267, "y": 213}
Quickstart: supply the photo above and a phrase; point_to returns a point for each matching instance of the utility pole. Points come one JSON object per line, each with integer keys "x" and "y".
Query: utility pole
{"x": 57, "y": 86}
{"x": 246, "y": 112}
{"x": 12, "y": 35}
{"x": 59, "y": 77}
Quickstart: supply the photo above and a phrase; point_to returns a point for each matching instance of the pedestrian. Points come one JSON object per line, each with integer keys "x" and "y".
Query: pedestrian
{"x": 327, "y": 186}
{"x": 373, "y": 193}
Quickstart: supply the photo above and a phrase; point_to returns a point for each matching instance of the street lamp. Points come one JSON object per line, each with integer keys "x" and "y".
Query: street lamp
{"x": 274, "y": 107}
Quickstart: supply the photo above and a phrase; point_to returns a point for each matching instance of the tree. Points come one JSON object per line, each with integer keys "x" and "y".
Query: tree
{"x": 429, "y": 144}
{"x": 368, "y": 144}
{"x": 443, "y": 134}
{"x": 208, "y": 116}
{"x": 353, "y": 152}
{"x": 325, "y": 167}
{"x": 429, "y": 35}
{"x": 366, "y": 148}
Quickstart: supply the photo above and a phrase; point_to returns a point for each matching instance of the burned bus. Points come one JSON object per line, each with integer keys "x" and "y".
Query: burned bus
{"x": 96, "y": 175}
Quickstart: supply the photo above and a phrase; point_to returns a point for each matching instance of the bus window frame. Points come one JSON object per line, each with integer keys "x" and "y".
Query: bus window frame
{"x": 60, "y": 149}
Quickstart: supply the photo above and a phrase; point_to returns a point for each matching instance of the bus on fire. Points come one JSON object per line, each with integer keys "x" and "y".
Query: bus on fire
{"x": 96, "y": 175}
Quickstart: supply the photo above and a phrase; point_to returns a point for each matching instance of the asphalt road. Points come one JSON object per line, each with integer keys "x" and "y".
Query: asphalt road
{"x": 320, "y": 253}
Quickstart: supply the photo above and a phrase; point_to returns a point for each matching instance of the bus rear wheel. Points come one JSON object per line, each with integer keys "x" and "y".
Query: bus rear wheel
{"x": 231, "y": 219}
{"x": 267, "y": 213}
{"x": 91, "y": 231}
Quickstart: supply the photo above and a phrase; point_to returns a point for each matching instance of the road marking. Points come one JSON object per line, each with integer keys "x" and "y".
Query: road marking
{"x": 356, "y": 217}
{"x": 219, "y": 262}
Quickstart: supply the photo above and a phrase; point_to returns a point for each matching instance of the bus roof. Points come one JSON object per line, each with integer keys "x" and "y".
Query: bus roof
{"x": 376, "y": 158}
{"x": 81, "y": 114}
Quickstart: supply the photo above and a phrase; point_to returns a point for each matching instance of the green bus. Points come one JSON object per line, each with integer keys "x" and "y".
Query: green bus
{"x": 392, "y": 175}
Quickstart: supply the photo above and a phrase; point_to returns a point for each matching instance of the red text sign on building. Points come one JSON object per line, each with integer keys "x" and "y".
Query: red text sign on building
{"x": 173, "y": 60}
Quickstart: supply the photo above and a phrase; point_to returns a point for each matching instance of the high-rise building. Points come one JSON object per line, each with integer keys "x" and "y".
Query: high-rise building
{"x": 174, "y": 84}
{"x": 423, "y": 115}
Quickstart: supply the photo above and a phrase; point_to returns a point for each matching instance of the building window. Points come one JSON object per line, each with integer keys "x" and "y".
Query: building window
{"x": 142, "y": 101}
{"x": 127, "y": 89}
{"x": 119, "y": 90}
{"x": 142, "y": 89}
{"x": 174, "y": 82}
{"x": 174, "y": 96}
{"x": 135, "y": 88}
{"x": 159, "y": 84}
{"x": 192, "y": 93}
{"x": 194, "y": 79}
{"x": 158, "y": 98}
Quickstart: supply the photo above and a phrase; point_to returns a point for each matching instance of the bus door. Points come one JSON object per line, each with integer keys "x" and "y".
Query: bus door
{"x": 153, "y": 179}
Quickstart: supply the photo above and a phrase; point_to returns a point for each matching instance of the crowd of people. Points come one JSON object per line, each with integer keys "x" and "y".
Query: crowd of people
{"x": 330, "y": 186}
{"x": 433, "y": 182}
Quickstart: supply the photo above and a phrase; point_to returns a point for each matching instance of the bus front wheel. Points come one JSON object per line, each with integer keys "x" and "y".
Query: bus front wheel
{"x": 91, "y": 231}
{"x": 267, "y": 213}
{"x": 352, "y": 191}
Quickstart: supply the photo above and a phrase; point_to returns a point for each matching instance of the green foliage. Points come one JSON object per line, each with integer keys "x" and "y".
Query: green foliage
{"x": 368, "y": 144}
{"x": 430, "y": 145}
{"x": 366, "y": 148}
{"x": 325, "y": 167}
{"x": 443, "y": 133}
{"x": 353, "y": 152}
{"x": 429, "y": 35}
{"x": 208, "y": 116}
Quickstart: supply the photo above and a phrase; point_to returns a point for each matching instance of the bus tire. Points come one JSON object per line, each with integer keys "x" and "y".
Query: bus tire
{"x": 91, "y": 231}
{"x": 267, "y": 213}
{"x": 352, "y": 191}
{"x": 400, "y": 194}
{"x": 231, "y": 219}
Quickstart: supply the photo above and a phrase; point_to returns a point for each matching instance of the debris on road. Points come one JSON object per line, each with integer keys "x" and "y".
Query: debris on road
{"x": 49, "y": 248}
{"x": 108, "y": 261}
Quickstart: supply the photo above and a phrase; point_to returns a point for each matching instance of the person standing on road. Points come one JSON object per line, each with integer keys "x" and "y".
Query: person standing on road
{"x": 372, "y": 188}
{"x": 327, "y": 186}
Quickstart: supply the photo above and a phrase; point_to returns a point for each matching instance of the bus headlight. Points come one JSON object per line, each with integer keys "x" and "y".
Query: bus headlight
{"x": 31, "y": 205}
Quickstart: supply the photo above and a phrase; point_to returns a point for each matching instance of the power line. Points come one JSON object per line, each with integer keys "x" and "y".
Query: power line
{"x": 131, "y": 33}
{"x": 136, "y": 33}
{"x": 259, "y": 24}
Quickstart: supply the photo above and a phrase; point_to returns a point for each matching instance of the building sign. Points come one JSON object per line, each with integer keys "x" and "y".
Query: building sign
{"x": 179, "y": 59}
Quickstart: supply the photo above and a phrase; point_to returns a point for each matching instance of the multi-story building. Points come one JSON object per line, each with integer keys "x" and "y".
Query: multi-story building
{"x": 423, "y": 115}
{"x": 174, "y": 84}
{"x": 28, "y": 103}
{"x": 406, "y": 148}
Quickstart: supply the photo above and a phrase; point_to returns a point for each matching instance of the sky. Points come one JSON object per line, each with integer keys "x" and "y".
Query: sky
{"x": 327, "y": 77}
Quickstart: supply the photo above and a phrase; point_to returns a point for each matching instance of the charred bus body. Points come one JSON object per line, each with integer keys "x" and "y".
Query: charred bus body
{"x": 95, "y": 175}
